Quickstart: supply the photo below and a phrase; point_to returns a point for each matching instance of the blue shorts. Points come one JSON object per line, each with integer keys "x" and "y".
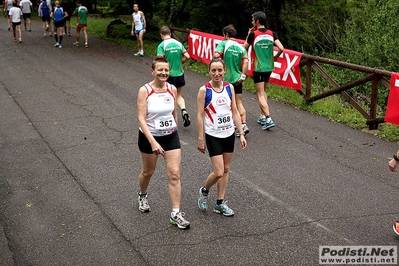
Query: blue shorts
{"x": 138, "y": 31}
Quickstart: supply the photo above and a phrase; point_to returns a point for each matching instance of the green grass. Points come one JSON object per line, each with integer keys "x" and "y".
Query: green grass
{"x": 333, "y": 107}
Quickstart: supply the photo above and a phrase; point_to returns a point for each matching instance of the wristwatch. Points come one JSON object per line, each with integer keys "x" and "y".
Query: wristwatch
{"x": 395, "y": 158}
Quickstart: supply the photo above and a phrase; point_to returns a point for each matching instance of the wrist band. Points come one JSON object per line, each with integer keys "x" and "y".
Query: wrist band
{"x": 395, "y": 158}
{"x": 243, "y": 76}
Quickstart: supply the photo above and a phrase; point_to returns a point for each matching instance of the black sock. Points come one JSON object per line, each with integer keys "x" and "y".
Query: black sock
{"x": 219, "y": 201}
{"x": 142, "y": 194}
{"x": 60, "y": 39}
{"x": 56, "y": 37}
{"x": 205, "y": 191}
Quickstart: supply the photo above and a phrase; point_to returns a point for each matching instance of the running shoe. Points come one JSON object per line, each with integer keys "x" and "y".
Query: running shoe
{"x": 268, "y": 125}
{"x": 20, "y": 40}
{"x": 76, "y": 43}
{"x": 60, "y": 46}
{"x": 141, "y": 54}
{"x": 186, "y": 118}
{"x": 245, "y": 129}
{"x": 56, "y": 44}
{"x": 223, "y": 209}
{"x": 86, "y": 45}
{"x": 262, "y": 120}
{"x": 179, "y": 221}
{"x": 396, "y": 227}
{"x": 137, "y": 54}
{"x": 15, "y": 39}
{"x": 202, "y": 200}
{"x": 143, "y": 203}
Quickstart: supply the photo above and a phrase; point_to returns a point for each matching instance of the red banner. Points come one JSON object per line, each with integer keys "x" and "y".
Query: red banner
{"x": 392, "y": 114}
{"x": 201, "y": 47}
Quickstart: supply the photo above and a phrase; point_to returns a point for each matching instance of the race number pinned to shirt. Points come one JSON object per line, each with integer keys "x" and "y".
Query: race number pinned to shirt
{"x": 165, "y": 124}
{"x": 222, "y": 122}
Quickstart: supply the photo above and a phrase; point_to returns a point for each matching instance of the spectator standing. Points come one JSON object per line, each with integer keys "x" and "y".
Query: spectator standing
{"x": 174, "y": 51}
{"x": 138, "y": 29}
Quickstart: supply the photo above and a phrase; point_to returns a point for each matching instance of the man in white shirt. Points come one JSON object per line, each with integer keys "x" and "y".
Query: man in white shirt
{"x": 26, "y": 6}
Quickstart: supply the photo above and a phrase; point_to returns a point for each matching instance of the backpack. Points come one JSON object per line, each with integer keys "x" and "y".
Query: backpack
{"x": 58, "y": 14}
{"x": 45, "y": 9}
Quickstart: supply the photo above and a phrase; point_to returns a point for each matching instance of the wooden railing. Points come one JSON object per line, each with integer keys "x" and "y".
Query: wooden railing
{"x": 375, "y": 76}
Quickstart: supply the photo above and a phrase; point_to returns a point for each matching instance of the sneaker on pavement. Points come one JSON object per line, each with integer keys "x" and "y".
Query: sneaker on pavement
{"x": 143, "y": 203}
{"x": 245, "y": 129}
{"x": 262, "y": 120}
{"x": 223, "y": 209}
{"x": 60, "y": 46}
{"x": 56, "y": 44}
{"x": 141, "y": 54}
{"x": 20, "y": 40}
{"x": 186, "y": 118}
{"x": 396, "y": 227}
{"x": 137, "y": 54}
{"x": 179, "y": 221}
{"x": 86, "y": 45}
{"x": 76, "y": 43}
{"x": 202, "y": 200}
{"x": 268, "y": 125}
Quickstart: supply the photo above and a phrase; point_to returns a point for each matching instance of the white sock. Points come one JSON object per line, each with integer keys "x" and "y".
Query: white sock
{"x": 174, "y": 212}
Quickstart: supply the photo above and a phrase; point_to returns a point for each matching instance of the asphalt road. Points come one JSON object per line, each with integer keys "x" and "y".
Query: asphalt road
{"x": 69, "y": 164}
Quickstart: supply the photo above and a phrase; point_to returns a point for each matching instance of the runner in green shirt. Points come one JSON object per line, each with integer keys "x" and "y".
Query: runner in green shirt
{"x": 262, "y": 41}
{"x": 236, "y": 60}
{"x": 81, "y": 12}
{"x": 177, "y": 55}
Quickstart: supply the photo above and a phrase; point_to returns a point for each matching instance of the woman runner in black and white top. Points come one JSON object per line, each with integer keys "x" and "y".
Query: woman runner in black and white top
{"x": 158, "y": 135}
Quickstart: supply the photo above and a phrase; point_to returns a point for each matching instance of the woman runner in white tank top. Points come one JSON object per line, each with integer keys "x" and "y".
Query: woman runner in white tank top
{"x": 158, "y": 135}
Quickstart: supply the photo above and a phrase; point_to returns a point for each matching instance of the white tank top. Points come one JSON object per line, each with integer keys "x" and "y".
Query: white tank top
{"x": 138, "y": 21}
{"x": 160, "y": 107}
{"x": 218, "y": 120}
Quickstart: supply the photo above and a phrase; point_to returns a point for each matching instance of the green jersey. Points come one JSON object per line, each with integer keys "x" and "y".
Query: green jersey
{"x": 233, "y": 55}
{"x": 82, "y": 14}
{"x": 173, "y": 51}
{"x": 263, "y": 45}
